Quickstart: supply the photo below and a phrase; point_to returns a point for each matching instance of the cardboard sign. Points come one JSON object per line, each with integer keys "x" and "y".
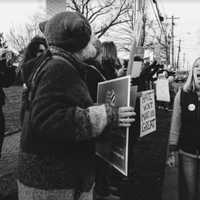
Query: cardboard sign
{"x": 162, "y": 90}
{"x": 113, "y": 147}
{"x": 147, "y": 113}
{"x": 136, "y": 69}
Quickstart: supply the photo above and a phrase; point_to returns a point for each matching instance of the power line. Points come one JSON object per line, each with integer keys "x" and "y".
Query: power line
{"x": 172, "y": 37}
{"x": 157, "y": 15}
{"x": 178, "y": 56}
{"x": 159, "y": 18}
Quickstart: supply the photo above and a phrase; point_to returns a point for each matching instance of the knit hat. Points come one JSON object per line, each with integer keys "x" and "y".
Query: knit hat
{"x": 68, "y": 30}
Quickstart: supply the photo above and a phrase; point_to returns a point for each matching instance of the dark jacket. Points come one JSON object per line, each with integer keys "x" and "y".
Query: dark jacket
{"x": 189, "y": 140}
{"x": 94, "y": 75}
{"x": 57, "y": 142}
{"x": 109, "y": 69}
{"x": 7, "y": 78}
{"x": 25, "y": 75}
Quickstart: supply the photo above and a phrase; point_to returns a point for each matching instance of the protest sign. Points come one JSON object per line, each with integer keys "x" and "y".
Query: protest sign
{"x": 136, "y": 70}
{"x": 162, "y": 90}
{"x": 113, "y": 148}
{"x": 147, "y": 113}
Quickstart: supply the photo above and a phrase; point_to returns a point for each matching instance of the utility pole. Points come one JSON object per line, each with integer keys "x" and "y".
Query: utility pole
{"x": 184, "y": 61}
{"x": 179, "y": 50}
{"x": 172, "y": 38}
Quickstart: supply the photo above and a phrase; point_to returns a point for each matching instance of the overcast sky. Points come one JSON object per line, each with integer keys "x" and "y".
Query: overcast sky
{"x": 17, "y": 12}
{"x": 187, "y": 26}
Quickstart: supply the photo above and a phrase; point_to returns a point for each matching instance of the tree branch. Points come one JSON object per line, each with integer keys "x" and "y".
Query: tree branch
{"x": 100, "y": 10}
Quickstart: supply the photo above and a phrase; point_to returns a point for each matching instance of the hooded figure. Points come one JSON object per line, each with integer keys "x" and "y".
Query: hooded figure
{"x": 57, "y": 147}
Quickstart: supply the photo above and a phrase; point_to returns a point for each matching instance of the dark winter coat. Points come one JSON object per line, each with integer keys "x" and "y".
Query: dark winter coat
{"x": 7, "y": 78}
{"x": 189, "y": 140}
{"x": 57, "y": 142}
{"x": 94, "y": 75}
{"x": 109, "y": 69}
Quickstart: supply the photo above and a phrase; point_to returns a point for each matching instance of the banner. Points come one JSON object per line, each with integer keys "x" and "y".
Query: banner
{"x": 112, "y": 146}
{"x": 147, "y": 113}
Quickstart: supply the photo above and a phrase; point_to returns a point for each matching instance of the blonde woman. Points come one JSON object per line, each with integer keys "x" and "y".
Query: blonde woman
{"x": 185, "y": 135}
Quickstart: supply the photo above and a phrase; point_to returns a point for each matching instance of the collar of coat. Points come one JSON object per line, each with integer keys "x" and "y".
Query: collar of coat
{"x": 79, "y": 65}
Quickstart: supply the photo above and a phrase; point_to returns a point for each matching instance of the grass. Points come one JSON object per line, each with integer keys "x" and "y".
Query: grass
{"x": 11, "y": 143}
{"x": 12, "y": 108}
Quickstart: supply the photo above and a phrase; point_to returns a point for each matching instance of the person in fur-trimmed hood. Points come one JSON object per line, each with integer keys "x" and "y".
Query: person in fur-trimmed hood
{"x": 61, "y": 123}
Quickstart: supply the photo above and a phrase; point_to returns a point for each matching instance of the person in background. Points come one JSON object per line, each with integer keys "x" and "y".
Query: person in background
{"x": 171, "y": 90}
{"x": 123, "y": 70}
{"x": 7, "y": 78}
{"x": 110, "y": 61}
{"x": 95, "y": 73}
{"x": 185, "y": 137}
{"x": 108, "y": 66}
{"x": 57, "y": 147}
{"x": 37, "y": 47}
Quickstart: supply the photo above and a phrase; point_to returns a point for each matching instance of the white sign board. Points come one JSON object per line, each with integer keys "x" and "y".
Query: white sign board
{"x": 162, "y": 90}
{"x": 113, "y": 147}
{"x": 137, "y": 68}
{"x": 147, "y": 113}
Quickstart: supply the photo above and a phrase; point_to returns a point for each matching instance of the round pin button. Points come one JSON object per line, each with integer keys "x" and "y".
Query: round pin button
{"x": 191, "y": 107}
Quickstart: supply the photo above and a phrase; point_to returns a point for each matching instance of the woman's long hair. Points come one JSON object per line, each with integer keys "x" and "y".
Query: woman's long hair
{"x": 190, "y": 82}
{"x": 32, "y": 48}
{"x": 109, "y": 53}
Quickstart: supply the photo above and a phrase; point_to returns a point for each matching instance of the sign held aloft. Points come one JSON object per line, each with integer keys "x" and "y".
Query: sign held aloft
{"x": 147, "y": 113}
{"x": 162, "y": 90}
{"x": 113, "y": 148}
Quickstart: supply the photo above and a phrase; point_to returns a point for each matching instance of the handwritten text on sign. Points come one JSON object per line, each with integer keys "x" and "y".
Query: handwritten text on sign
{"x": 147, "y": 113}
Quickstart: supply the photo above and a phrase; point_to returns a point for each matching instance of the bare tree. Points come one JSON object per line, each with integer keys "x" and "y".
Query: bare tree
{"x": 102, "y": 14}
{"x": 153, "y": 36}
{"x": 3, "y": 42}
{"x": 19, "y": 37}
{"x": 158, "y": 37}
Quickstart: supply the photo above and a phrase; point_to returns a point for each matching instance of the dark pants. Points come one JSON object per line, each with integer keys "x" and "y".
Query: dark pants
{"x": 2, "y": 128}
{"x": 29, "y": 193}
{"x": 189, "y": 178}
{"x": 103, "y": 173}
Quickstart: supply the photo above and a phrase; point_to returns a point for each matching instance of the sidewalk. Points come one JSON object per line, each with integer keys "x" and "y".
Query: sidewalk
{"x": 170, "y": 184}
{"x": 8, "y": 163}
{"x": 170, "y": 190}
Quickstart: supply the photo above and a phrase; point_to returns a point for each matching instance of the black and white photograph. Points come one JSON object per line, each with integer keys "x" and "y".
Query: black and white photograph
{"x": 99, "y": 99}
